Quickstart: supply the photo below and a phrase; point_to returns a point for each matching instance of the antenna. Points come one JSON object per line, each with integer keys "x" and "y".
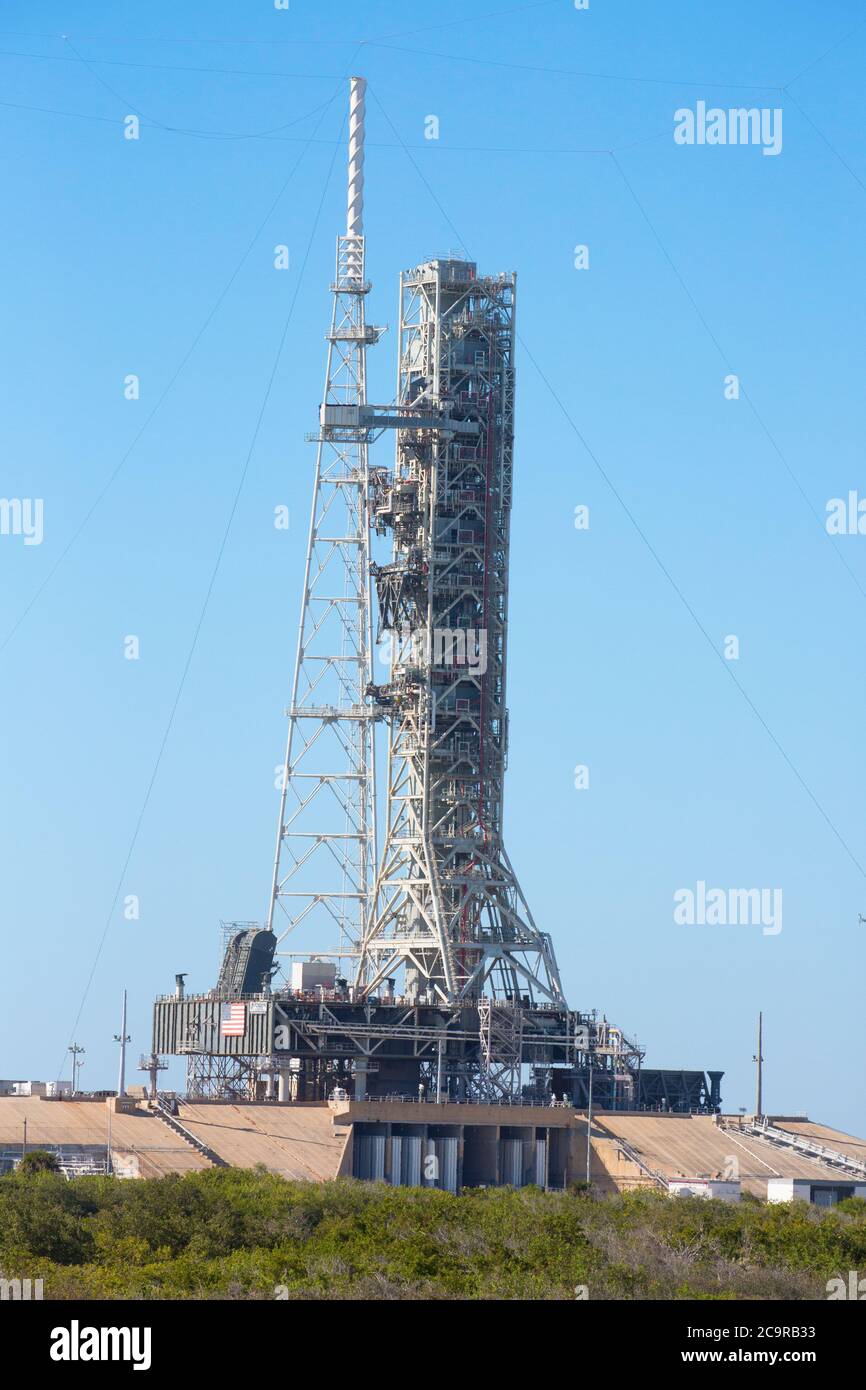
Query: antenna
{"x": 758, "y": 1059}
{"x": 76, "y": 1065}
{"x": 123, "y": 1038}
{"x": 326, "y": 852}
{"x": 355, "y": 209}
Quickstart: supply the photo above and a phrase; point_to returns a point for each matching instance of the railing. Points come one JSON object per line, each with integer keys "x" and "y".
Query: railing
{"x": 82, "y": 1165}
{"x": 174, "y": 1123}
{"x": 75, "y": 1164}
{"x": 431, "y": 1099}
{"x": 635, "y": 1157}
{"x": 333, "y": 996}
{"x": 812, "y": 1148}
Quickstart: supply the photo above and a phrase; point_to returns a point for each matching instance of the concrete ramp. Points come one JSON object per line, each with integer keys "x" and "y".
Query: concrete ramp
{"x": 692, "y": 1146}
{"x": 822, "y": 1134}
{"x": 141, "y": 1145}
{"x": 300, "y": 1142}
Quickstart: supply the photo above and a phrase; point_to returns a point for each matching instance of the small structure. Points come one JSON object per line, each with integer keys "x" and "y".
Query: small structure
{"x": 716, "y": 1188}
{"x": 35, "y": 1088}
{"x": 311, "y": 974}
{"x": 821, "y": 1192}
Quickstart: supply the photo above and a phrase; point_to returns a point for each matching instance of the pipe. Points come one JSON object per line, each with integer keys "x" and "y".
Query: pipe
{"x": 355, "y": 208}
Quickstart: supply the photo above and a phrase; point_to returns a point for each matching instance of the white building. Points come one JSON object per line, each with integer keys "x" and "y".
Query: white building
{"x": 704, "y": 1187}
{"x": 35, "y": 1088}
{"x": 821, "y": 1192}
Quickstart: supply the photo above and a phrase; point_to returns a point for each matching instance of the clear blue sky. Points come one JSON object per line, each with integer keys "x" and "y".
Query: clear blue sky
{"x": 115, "y": 255}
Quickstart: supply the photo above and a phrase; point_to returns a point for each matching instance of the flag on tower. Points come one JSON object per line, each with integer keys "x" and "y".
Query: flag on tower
{"x": 233, "y": 1020}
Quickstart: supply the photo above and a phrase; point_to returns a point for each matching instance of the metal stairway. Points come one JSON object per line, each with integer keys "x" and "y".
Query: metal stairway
{"x": 632, "y": 1154}
{"x": 199, "y": 1145}
{"x": 810, "y": 1148}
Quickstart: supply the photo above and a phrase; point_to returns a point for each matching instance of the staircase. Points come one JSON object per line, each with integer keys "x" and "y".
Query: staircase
{"x": 608, "y": 1137}
{"x": 199, "y": 1145}
{"x": 799, "y": 1143}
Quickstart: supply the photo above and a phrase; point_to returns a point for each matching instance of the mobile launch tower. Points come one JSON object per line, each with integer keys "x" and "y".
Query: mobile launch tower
{"x": 417, "y": 963}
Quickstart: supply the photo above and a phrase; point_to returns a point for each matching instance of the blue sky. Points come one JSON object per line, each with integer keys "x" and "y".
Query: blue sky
{"x": 704, "y": 261}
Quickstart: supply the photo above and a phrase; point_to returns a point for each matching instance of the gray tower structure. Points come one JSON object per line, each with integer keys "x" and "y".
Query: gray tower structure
{"x": 325, "y": 856}
{"x": 429, "y": 976}
{"x": 448, "y": 913}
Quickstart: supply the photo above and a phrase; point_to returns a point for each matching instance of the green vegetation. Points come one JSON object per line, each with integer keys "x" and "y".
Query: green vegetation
{"x": 230, "y": 1233}
{"x": 39, "y": 1161}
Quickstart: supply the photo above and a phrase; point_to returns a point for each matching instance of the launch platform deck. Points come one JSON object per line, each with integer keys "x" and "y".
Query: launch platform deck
{"x": 692, "y": 1146}
{"x": 141, "y": 1145}
{"x": 477, "y": 1144}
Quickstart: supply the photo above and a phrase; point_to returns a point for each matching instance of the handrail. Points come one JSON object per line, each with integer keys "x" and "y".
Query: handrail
{"x": 174, "y": 1123}
{"x": 801, "y": 1143}
{"x": 635, "y": 1157}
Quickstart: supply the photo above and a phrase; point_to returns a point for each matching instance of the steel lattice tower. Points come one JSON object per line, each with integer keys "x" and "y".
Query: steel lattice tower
{"x": 448, "y": 911}
{"x": 455, "y": 992}
{"x": 326, "y": 838}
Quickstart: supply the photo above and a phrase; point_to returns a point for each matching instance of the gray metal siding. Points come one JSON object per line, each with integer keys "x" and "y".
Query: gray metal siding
{"x": 445, "y": 1151}
{"x": 410, "y": 1172}
{"x": 394, "y": 1176}
{"x": 512, "y": 1162}
{"x": 405, "y": 1160}
{"x": 181, "y": 1026}
{"x": 370, "y": 1157}
{"x": 540, "y": 1175}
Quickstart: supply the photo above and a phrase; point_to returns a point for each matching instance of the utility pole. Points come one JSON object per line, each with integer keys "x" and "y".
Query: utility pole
{"x": 589, "y": 1128}
{"x": 123, "y": 1038}
{"x": 24, "y": 1145}
{"x": 758, "y": 1059}
{"x": 76, "y": 1065}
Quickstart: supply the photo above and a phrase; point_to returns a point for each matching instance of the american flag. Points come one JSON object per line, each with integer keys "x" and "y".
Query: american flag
{"x": 233, "y": 1020}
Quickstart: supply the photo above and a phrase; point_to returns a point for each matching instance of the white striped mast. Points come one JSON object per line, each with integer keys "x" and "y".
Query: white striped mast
{"x": 326, "y": 852}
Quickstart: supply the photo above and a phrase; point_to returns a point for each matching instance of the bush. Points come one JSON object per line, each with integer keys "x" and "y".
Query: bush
{"x": 38, "y": 1161}
{"x": 231, "y": 1233}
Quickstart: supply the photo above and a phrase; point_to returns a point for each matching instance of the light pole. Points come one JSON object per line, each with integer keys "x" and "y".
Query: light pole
{"x": 758, "y": 1059}
{"x": 123, "y": 1038}
{"x": 76, "y": 1065}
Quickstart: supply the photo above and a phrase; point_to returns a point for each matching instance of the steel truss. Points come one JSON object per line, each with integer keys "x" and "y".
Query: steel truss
{"x": 454, "y": 985}
{"x": 326, "y": 838}
{"x": 213, "y": 1077}
{"x": 448, "y": 912}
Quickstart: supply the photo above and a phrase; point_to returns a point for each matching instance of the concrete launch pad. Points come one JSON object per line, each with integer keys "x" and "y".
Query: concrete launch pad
{"x": 393, "y": 1141}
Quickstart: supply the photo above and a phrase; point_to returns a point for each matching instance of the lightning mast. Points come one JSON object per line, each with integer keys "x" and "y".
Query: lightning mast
{"x": 326, "y": 837}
